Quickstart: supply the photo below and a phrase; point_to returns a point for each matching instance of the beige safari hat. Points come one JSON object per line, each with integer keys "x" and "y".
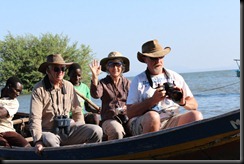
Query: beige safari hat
{"x": 115, "y": 55}
{"x": 152, "y": 49}
{"x": 53, "y": 59}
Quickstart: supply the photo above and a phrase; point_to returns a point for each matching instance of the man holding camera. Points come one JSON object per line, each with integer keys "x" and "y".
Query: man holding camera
{"x": 52, "y": 99}
{"x": 156, "y": 94}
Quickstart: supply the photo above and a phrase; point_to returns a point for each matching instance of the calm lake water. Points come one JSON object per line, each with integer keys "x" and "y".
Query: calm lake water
{"x": 217, "y": 92}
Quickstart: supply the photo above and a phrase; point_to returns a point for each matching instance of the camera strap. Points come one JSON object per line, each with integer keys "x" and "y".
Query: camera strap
{"x": 150, "y": 79}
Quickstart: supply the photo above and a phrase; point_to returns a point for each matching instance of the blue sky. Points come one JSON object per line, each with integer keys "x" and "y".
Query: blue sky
{"x": 204, "y": 35}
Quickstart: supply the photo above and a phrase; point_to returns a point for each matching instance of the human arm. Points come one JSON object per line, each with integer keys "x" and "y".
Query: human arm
{"x": 3, "y": 112}
{"x": 77, "y": 114}
{"x": 189, "y": 103}
{"x": 90, "y": 108}
{"x": 38, "y": 147}
{"x": 89, "y": 105}
{"x": 35, "y": 116}
{"x": 35, "y": 119}
{"x": 142, "y": 107}
{"x": 96, "y": 70}
{"x": 8, "y": 107}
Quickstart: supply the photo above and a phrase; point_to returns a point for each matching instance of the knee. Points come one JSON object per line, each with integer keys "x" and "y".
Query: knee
{"x": 115, "y": 134}
{"x": 196, "y": 115}
{"x": 151, "y": 122}
{"x": 151, "y": 116}
{"x": 50, "y": 140}
{"x": 98, "y": 131}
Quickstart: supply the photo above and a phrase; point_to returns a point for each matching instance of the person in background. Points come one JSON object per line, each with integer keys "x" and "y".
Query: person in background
{"x": 9, "y": 106}
{"x": 52, "y": 99}
{"x": 157, "y": 93}
{"x": 91, "y": 114}
{"x": 113, "y": 92}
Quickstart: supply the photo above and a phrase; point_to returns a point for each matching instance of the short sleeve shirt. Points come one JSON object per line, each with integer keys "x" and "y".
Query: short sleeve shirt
{"x": 140, "y": 88}
{"x": 12, "y": 106}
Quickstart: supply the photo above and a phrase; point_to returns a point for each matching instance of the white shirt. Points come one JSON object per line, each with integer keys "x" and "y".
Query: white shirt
{"x": 141, "y": 90}
{"x": 12, "y": 106}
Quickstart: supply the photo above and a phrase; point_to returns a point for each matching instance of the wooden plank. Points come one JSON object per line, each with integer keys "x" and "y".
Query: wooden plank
{"x": 20, "y": 120}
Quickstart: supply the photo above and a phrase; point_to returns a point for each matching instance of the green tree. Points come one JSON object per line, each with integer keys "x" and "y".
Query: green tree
{"x": 21, "y": 56}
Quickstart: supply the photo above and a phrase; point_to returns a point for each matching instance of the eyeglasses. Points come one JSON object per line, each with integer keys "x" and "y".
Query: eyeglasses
{"x": 154, "y": 59}
{"x": 59, "y": 69}
{"x": 113, "y": 64}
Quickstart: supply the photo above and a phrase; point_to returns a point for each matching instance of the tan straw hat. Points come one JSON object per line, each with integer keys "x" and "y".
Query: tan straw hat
{"x": 53, "y": 59}
{"x": 152, "y": 49}
{"x": 115, "y": 55}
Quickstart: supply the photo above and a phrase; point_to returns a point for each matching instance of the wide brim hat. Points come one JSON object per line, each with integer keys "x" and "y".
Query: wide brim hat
{"x": 53, "y": 59}
{"x": 115, "y": 55}
{"x": 152, "y": 49}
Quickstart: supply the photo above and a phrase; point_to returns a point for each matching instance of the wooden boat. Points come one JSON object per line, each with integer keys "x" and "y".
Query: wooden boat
{"x": 216, "y": 138}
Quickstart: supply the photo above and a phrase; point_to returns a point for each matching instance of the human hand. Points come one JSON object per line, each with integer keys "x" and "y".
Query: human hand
{"x": 72, "y": 121}
{"x": 182, "y": 101}
{"x": 122, "y": 110}
{"x": 95, "y": 68}
{"x": 38, "y": 148}
{"x": 159, "y": 95}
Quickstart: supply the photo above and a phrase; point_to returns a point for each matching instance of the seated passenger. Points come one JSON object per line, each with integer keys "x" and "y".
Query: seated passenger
{"x": 52, "y": 99}
{"x": 90, "y": 113}
{"x": 113, "y": 91}
{"x": 157, "y": 93}
{"x": 9, "y": 106}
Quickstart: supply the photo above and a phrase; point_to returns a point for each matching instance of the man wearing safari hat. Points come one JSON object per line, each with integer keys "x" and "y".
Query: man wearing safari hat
{"x": 51, "y": 101}
{"x": 157, "y": 93}
{"x": 113, "y": 91}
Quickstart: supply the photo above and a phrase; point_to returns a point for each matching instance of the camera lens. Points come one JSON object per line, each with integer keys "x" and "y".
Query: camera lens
{"x": 176, "y": 96}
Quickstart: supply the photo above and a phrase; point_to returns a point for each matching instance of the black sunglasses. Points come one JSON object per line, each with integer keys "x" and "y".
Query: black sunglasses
{"x": 58, "y": 69}
{"x": 113, "y": 64}
{"x": 154, "y": 59}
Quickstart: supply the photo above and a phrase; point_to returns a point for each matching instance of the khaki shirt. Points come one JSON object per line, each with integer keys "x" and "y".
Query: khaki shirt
{"x": 112, "y": 96}
{"x": 46, "y": 103}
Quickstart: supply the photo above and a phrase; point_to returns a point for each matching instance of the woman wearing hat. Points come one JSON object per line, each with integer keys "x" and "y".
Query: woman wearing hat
{"x": 52, "y": 99}
{"x": 113, "y": 91}
{"x": 157, "y": 93}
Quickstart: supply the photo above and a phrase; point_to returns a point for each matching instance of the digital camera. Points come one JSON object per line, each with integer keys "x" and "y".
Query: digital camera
{"x": 61, "y": 124}
{"x": 120, "y": 116}
{"x": 171, "y": 92}
{"x": 119, "y": 110}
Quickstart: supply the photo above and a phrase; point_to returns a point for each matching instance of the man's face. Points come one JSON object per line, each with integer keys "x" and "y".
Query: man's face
{"x": 75, "y": 76}
{"x": 56, "y": 73}
{"x": 155, "y": 65}
{"x": 15, "y": 91}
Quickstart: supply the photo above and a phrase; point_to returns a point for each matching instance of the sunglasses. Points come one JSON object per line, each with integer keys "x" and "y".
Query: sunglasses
{"x": 155, "y": 59}
{"x": 113, "y": 64}
{"x": 58, "y": 69}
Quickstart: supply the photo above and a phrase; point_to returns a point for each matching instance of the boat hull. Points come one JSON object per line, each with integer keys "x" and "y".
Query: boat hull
{"x": 216, "y": 138}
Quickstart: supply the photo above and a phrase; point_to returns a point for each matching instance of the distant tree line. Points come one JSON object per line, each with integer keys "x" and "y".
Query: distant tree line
{"x": 21, "y": 56}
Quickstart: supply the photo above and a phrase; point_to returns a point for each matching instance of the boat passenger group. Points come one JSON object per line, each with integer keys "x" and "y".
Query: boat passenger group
{"x": 58, "y": 116}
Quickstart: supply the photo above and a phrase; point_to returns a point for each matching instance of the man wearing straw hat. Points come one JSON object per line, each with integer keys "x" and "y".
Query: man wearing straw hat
{"x": 51, "y": 101}
{"x": 157, "y": 93}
